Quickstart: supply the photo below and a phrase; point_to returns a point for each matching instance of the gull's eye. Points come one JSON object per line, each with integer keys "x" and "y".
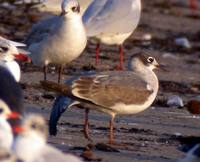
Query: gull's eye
{"x": 150, "y": 59}
{"x": 3, "y": 49}
{"x": 33, "y": 126}
{"x": 1, "y": 110}
{"x": 76, "y": 9}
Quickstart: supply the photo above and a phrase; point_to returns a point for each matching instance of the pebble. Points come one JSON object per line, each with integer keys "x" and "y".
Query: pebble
{"x": 147, "y": 37}
{"x": 183, "y": 42}
{"x": 175, "y": 101}
{"x": 193, "y": 106}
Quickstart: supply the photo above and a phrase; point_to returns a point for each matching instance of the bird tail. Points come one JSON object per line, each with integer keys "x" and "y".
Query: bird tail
{"x": 60, "y": 105}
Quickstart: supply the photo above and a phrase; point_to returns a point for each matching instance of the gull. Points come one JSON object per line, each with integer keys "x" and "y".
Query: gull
{"x": 111, "y": 22}
{"x": 62, "y": 42}
{"x": 113, "y": 92}
{"x": 31, "y": 145}
{"x": 6, "y": 135}
{"x": 8, "y": 54}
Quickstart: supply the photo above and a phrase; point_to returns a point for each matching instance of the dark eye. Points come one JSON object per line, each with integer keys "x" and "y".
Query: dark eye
{"x": 3, "y": 49}
{"x": 150, "y": 59}
{"x": 1, "y": 110}
{"x": 34, "y": 126}
{"x": 76, "y": 9}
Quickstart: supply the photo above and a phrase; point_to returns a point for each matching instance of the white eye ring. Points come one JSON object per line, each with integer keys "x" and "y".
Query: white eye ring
{"x": 150, "y": 59}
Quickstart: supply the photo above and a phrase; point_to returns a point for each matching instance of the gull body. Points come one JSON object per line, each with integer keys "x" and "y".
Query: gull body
{"x": 63, "y": 42}
{"x": 112, "y": 22}
{"x": 115, "y": 93}
{"x": 33, "y": 133}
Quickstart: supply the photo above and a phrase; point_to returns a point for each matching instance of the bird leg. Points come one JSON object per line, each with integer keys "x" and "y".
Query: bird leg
{"x": 111, "y": 140}
{"x": 45, "y": 72}
{"x": 121, "y": 51}
{"x": 97, "y": 54}
{"x": 60, "y": 73}
{"x": 86, "y": 125}
{"x": 193, "y": 4}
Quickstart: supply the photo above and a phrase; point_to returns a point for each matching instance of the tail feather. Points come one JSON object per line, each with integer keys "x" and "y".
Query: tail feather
{"x": 60, "y": 105}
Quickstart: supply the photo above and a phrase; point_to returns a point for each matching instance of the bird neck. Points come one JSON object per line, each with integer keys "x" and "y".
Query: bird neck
{"x": 149, "y": 76}
{"x": 67, "y": 25}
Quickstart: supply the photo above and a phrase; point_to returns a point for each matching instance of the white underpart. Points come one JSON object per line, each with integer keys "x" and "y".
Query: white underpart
{"x": 6, "y": 136}
{"x": 14, "y": 68}
{"x": 123, "y": 109}
{"x": 113, "y": 39}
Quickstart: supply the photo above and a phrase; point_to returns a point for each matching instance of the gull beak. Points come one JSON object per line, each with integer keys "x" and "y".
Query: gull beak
{"x": 18, "y": 130}
{"x": 22, "y": 57}
{"x": 14, "y": 115}
{"x": 162, "y": 67}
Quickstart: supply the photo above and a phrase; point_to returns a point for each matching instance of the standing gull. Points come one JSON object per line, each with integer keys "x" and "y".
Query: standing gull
{"x": 112, "y": 22}
{"x": 62, "y": 42}
{"x": 31, "y": 145}
{"x": 114, "y": 93}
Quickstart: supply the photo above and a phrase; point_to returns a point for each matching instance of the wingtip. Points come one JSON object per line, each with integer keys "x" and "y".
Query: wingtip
{"x": 52, "y": 129}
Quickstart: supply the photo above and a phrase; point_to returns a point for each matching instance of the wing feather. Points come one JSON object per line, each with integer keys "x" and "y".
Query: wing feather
{"x": 108, "y": 90}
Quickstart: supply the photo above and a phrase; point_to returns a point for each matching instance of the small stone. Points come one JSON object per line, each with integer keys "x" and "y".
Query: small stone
{"x": 147, "y": 37}
{"x": 193, "y": 106}
{"x": 175, "y": 101}
{"x": 183, "y": 42}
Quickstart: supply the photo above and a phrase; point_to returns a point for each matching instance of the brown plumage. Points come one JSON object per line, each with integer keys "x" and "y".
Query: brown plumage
{"x": 113, "y": 92}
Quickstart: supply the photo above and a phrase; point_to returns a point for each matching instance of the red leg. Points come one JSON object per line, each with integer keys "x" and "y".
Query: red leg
{"x": 111, "y": 141}
{"x": 86, "y": 125}
{"x": 193, "y": 4}
{"x": 121, "y": 50}
{"x": 97, "y": 53}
